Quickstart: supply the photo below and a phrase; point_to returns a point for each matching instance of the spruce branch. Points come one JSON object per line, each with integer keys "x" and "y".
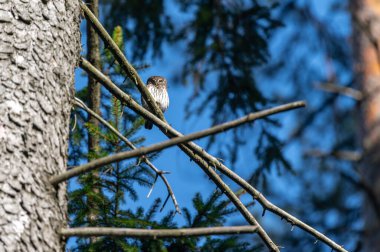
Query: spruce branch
{"x": 135, "y": 152}
{"x": 158, "y": 172}
{"x": 167, "y": 129}
{"x": 196, "y": 153}
{"x": 204, "y": 159}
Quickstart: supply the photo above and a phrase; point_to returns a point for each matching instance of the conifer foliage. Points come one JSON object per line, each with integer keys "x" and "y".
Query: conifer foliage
{"x": 225, "y": 40}
{"x": 115, "y": 202}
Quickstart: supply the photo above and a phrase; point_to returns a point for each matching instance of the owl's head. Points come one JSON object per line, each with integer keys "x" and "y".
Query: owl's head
{"x": 158, "y": 81}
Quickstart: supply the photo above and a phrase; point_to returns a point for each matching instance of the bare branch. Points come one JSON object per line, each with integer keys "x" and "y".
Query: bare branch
{"x": 347, "y": 91}
{"x": 82, "y": 105}
{"x": 195, "y": 152}
{"x": 169, "y": 131}
{"x": 199, "y": 155}
{"x": 158, "y": 172}
{"x": 353, "y": 156}
{"x": 174, "y": 141}
{"x": 119, "y": 56}
{"x": 267, "y": 205}
{"x": 211, "y": 173}
{"x": 158, "y": 233}
{"x": 131, "y": 72}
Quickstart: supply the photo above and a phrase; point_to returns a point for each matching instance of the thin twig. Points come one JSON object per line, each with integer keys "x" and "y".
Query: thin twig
{"x": 167, "y": 129}
{"x": 193, "y": 151}
{"x": 353, "y": 156}
{"x": 205, "y": 156}
{"x": 166, "y": 201}
{"x": 347, "y": 91}
{"x": 83, "y": 106}
{"x": 131, "y": 72}
{"x": 266, "y": 204}
{"x": 152, "y": 187}
{"x": 158, "y": 172}
{"x": 92, "y": 165}
{"x": 75, "y": 123}
{"x": 157, "y": 233}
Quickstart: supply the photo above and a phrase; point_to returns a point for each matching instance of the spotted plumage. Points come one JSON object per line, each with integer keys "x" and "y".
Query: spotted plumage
{"x": 157, "y": 86}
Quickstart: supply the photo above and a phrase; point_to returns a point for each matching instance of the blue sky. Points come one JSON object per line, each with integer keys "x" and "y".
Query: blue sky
{"x": 186, "y": 177}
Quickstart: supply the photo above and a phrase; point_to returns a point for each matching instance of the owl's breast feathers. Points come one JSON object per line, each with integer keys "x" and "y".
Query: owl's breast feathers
{"x": 160, "y": 95}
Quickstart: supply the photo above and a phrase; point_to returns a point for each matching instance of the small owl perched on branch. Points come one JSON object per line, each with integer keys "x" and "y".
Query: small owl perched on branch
{"x": 157, "y": 86}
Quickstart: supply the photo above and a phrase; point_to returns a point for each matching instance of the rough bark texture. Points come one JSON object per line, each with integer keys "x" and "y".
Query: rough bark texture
{"x": 39, "y": 48}
{"x": 366, "y": 16}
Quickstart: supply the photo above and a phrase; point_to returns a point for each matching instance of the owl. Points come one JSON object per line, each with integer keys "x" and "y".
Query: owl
{"x": 157, "y": 86}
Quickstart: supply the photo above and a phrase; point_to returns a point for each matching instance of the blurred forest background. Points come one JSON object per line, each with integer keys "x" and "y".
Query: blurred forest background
{"x": 224, "y": 59}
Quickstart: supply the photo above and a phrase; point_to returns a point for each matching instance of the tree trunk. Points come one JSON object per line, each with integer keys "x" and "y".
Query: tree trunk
{"x": 366, "y": 19}
{"x": 93, "y": 56}
{"x": 39, "y": 48}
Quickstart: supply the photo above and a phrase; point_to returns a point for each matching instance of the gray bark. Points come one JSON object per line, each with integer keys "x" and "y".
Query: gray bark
{"x": 39, "y": 48}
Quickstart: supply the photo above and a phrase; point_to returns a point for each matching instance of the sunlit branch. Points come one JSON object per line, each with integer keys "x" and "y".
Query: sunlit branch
{"x": 148, "y": 98}
{"x": 156, "y": 233}
{"x": 226, "y": 170}
{"x": 268, "y": 206}
{"x": 119, "y": 56}
{"x": 197, "y": 154}
{"x": 158, "y": 172}
{"x": 167, "y": 129}
{"x": 171, "y": 142}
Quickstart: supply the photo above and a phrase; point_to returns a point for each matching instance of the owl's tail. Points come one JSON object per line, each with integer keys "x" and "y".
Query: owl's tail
{"x": 148, "y": 125}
